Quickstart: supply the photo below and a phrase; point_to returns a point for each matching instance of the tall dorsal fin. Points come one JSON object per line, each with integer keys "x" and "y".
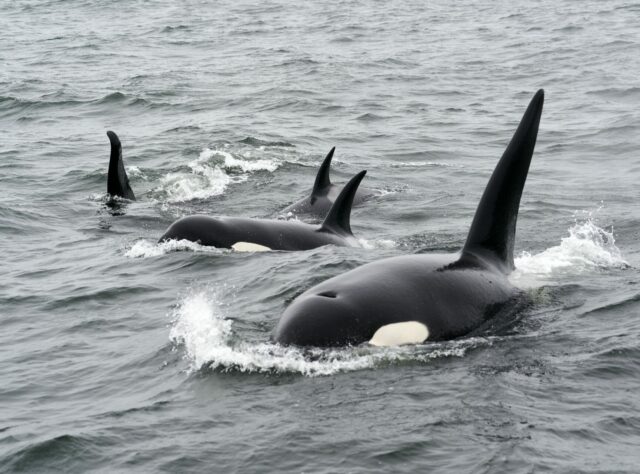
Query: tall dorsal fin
{"x": 338, "y": 221}
{"x": 322, "y": 178}
{"x": 117, "y": 179}
{"x": 493, "y": 229}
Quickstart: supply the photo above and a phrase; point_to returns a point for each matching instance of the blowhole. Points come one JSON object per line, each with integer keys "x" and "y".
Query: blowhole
{"x": 328, "y": 294}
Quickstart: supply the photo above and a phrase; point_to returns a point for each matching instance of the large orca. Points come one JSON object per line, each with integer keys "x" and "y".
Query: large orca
{"x": 412, "y": 299}
{"x": 117, "y": 179}
{"x": 246, "y": 234}
{"x": 323, "y": 194}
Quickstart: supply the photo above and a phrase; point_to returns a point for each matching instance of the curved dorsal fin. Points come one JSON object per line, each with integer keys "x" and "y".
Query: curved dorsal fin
{"x": 117, "y": 179}
{"x": 493, "y": 229}
{"x": 338, "y": 221}
{"x": 322, "y": 178}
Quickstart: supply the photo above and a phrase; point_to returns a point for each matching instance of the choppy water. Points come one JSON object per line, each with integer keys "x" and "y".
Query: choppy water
{"x": 117, "y": 354}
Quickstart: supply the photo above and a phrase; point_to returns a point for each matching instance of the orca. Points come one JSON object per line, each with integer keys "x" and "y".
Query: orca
{"x": 117, "y": 179}
{"x": 417, "y": 298}
{"x": 323, "y": 194}
{"x": 245, "y": 234}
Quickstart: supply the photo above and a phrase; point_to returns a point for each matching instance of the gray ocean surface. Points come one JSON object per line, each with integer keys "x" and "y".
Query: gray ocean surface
{"x": 118, "y": 354}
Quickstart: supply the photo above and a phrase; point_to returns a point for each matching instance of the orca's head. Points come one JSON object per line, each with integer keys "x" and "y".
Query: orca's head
{"x": 320, "y": 319}
{"x": 200, "y": 229}
{"x": 332, "y": 318}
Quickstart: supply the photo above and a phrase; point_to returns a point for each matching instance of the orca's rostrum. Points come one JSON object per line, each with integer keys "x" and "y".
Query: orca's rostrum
{"x": 418, "y": 298}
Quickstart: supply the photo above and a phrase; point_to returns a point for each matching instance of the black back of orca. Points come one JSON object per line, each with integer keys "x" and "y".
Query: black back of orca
{"x": 117, "y": 179}
{"x": 323, "y": 194}
{"x": 226, "y": 232}
{"x": 415, "y": 298}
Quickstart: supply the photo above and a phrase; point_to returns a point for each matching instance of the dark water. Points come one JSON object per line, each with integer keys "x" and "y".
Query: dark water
{"x": 117, "y": 354}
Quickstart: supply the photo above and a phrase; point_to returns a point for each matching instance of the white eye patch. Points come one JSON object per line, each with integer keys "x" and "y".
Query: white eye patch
{"x": 249, "y": 247}
{"x": 396, "y": 334}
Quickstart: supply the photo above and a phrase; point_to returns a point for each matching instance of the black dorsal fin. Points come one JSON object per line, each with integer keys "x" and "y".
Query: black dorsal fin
{"x": 493, "y": 229}
{"x": 117, "y": 179}
{"x": 338, "y": 221}
{"x": 322, "y": 178}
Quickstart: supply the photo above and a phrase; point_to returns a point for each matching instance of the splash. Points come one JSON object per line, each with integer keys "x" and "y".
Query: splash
{"x": 146, "y": 248}
{"x": 210, "y": 176}
{"x": 204, "y": 181}
{"x": 136, "y": 172}
{"x": 588, "y": 247}
{"x": 200, "y": 325}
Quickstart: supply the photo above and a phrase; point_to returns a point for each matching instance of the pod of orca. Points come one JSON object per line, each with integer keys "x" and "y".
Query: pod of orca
{"x": 400, "y": 300}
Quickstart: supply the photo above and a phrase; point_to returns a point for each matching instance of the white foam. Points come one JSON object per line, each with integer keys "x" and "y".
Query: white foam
{"x": 203, "y": 183}
{"x": 588, "y": 247}
{"x": 146, "y": 248}
{"x": 134, "y": 171}
{"x": 209, "y": 175}
{"x": 231, "y": 162}
{"x": 201, "y": 326}
{"x": 377, "y": 244}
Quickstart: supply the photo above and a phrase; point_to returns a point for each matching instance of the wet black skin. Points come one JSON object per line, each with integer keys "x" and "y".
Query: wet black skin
{"x": 450, "y": 297}
{"x": 117, "y": 179}
{"x": 451, "y": 294}
{"x": 224, "y": 232}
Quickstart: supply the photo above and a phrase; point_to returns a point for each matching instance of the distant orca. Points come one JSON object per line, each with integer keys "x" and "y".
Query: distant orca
{"x": 246, "y": 234}
{"x": 412, "y": 299}
{"x": 117, "y": 179}
{"x": 323, "y": 194}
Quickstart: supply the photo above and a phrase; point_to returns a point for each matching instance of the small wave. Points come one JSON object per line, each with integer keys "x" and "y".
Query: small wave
{"x": 61, "y": 453}
{"x": 369, "y": 117}
{"x": 114, "y": 97}
{"x": 207, "y": 335}
{"x": 256, "y": 142}
{"x": 588, "y": 247}
{"x": 417, "y": 164}
{"x": 146, "y": 248}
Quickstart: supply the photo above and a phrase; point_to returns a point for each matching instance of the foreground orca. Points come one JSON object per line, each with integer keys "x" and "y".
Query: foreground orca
{"x": 246, "y": 234}
{"x": 411, "y": 299}
{"x": 323, "y": 194}
{"x": 117, "y": 179}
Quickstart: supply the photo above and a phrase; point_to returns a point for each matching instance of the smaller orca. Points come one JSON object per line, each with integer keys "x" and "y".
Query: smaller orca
{"x": 323, "y": 194}
{"x": 245, "y": 234}
{"x": 117, "y": 179}
{"x": 429, "y": 297}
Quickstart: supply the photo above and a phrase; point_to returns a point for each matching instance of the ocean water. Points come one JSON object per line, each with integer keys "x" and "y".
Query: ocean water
{"x": 121, "y": 355}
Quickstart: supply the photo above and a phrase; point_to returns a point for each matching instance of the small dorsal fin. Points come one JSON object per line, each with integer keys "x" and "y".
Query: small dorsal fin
{"x": 493, "y": 230}
{"x": 338, "y": 221}
{"x": 322, "y": 178}
{"x": 117, "y": 179}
